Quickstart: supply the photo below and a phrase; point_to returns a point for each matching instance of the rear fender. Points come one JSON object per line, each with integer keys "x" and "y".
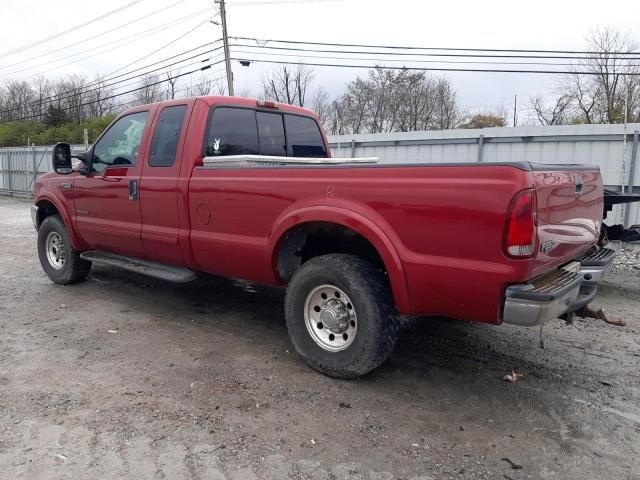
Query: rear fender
{"x": 378, "y": 233}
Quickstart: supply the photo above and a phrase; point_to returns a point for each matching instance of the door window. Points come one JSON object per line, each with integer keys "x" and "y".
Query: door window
{"x": 303, "y": 137}
{"x": 120, "y": 144}
{"x": 166, "y": 136}
{"x": 232, "y": 131}
{"x": 271, "y": 133}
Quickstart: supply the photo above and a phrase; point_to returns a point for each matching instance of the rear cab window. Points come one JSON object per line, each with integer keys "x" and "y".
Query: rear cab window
{"x": 303, "y": 137}
{"x": 164, "y": 145}
{"x": 246, "y": 131}
{"x": 232, "y": 131}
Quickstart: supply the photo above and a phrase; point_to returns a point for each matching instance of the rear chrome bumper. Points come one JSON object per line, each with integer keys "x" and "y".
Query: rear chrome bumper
{"x": 562, "y": 291}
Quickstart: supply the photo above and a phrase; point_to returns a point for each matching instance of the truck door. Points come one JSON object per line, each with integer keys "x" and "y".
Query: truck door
{"x": 159, "y": 189}
{"x": 107, "y": 199}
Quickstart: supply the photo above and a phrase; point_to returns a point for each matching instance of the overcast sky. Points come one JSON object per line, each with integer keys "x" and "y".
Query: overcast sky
{"x": 543, "y": 24}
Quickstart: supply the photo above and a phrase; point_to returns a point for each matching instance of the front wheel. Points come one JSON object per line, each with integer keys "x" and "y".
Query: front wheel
{"x": 340, "y": 315}
{"x": 59, "y": 260}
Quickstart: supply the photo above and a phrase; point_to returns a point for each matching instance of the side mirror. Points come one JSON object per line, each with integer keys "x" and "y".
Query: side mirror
{"x": 62, "y": 159}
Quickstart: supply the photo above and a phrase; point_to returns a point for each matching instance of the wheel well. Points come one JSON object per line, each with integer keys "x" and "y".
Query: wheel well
{"x": 46, "y": 209}
{"x": 308, "y": 240}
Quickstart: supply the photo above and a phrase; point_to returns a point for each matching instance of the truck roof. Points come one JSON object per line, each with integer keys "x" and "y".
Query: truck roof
{"x": 231, "y": 101}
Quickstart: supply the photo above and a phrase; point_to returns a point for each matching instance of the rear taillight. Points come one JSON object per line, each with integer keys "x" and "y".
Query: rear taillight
{"x": 520, "y": 232}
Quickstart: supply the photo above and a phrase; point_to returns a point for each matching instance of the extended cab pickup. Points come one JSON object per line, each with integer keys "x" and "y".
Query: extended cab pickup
{"x": 248, "y": 189}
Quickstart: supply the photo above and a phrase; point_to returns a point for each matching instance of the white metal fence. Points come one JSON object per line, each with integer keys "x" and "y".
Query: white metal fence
{"x": 20, "y": 166}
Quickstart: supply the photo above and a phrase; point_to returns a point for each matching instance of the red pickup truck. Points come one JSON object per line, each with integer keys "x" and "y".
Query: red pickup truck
{"x": 248, "y": 189}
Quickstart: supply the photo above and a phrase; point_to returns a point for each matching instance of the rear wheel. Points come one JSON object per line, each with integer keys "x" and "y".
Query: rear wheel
{"x": 59, "y": 260}
{"x": 340, "y": 315}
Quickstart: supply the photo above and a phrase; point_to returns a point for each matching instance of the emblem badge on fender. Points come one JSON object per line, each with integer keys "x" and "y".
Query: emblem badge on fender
{"x": 547, "y": 246}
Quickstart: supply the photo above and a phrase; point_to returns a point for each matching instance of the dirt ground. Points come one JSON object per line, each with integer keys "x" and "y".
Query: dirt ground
{"x": 127, "y": 377}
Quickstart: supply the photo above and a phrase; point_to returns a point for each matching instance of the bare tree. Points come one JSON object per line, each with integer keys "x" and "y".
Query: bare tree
{"x": 76, "y": 97}
{"x": 321, "y": 105}
{"x": 288, "y": 84}
{"x": 602, "y": 95}
{"x": 554, "y": 114}
{"x": 149, "y": 90}
{"x": 98, "y": 97}
{"x": 41, "y": 92}
{"x": 172, "y": 83}
{"x": 395, "y": 100}
{"x": 18, "y": 95}
{"x": 204, "y": 86}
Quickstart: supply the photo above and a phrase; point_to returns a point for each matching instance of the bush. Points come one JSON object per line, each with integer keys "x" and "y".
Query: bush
{"x": 15, "y": 134}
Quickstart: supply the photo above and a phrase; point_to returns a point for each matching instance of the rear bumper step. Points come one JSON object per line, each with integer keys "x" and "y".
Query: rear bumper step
{"x": 562, "y": 291}
{"x": 595, "y": 264}
{"x": 597, "y": 257}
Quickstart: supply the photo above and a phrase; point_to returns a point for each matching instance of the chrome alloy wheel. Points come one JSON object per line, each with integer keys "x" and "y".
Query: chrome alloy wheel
{"x": 330, "y": 318}
{"x": 55, "y": 250}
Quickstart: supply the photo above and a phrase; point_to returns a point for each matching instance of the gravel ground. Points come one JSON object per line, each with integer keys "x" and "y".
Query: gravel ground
{"x": 126, "y": 377}
{"x": 626, "y": 260}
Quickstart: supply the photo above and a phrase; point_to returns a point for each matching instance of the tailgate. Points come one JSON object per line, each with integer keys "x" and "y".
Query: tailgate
{"x": 570, "y": 208}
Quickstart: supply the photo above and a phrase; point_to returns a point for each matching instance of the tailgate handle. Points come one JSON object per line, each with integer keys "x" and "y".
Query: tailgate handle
{"x": 579, "y": 185}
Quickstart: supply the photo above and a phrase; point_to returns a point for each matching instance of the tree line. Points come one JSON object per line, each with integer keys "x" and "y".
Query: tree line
{"x": 43, "y": 110}
{"x": 402, "y": 100}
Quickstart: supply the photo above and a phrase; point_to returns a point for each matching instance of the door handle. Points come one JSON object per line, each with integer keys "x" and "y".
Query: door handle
{"x": 133, "y": 190}
{"x": 579, "y": 185}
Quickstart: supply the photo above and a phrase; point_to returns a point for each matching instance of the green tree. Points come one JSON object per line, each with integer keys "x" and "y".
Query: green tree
{"x": 54, "y": 116}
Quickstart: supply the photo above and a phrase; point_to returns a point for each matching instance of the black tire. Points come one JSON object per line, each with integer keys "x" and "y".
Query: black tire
{"x": 377, "y": 318}
{"x": 74, "y": 269}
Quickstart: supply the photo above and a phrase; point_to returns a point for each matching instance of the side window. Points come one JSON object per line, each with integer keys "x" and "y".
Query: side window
{"x": 166, "y": 136}
{"x": 120, "y": 145}
{"x": 303, "y": 137}
{"x": 232, "y": 131}
{"x": 271, "y": 133}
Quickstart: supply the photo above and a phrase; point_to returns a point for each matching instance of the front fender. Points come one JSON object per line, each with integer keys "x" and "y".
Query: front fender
{"x": 61, "y": 207}
{"x": 378, "y": 233}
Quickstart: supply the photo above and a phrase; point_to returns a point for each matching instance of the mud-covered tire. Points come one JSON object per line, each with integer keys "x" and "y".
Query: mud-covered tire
{"x": 377, "y": 319}
{"x": 72, "y": 269}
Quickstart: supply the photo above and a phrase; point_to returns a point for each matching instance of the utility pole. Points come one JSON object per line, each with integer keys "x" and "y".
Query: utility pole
{"x": 225, "y": 41}
{"x": 515, "y": 110}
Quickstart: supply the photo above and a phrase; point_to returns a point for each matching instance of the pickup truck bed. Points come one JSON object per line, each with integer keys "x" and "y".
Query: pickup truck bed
{"x": 247, "y": 189}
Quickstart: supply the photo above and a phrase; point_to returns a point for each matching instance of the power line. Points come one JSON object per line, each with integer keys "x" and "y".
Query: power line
{"x": 69, "y": 30}
{"x": 106, "y": 77}
{"x": 109, "y": 97}
{"x": 414, "y": 54}
{"x": 56, "y": 98}
{"x": 86, "y": 89}
{"x": 136, "y": 78}
{"x": 396, "y": 47}
{"x": 424, "y": 69}
{"x": 179, "y": 37}
{"x": 472, "y": 62}
{"x": 138, "y": 35}
{"x": 135, "y": 103}
{"x": 93, "y": 36}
